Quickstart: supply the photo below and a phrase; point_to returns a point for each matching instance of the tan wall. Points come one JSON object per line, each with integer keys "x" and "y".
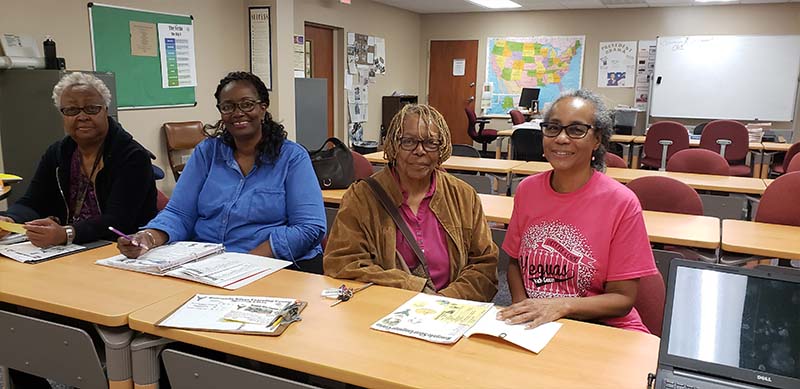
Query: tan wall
{"x": 220, "y": 47}
{"x": 607, "y": 25}
{"x": 399, "y": 28}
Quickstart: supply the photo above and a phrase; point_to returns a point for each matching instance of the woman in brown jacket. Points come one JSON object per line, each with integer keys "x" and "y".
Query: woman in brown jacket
{"x": 443, "y": 214}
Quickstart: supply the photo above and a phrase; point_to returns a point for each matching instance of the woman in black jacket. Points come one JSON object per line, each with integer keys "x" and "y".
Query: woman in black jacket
{"x": 96, "y": 177}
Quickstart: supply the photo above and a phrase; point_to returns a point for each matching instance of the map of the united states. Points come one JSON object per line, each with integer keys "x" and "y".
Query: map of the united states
{"x": 553, "y": 64}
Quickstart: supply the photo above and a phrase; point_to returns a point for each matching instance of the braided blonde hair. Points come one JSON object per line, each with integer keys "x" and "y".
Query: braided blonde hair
{"x": 429, "y": 119}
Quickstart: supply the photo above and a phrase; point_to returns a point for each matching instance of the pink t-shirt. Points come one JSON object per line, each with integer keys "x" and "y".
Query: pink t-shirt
{"x": 571, "y": 244}
{"x": 430, "y": 236}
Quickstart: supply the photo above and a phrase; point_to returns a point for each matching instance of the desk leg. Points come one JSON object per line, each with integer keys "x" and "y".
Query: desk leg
{"x": 144, "y": 357}
{"x": 635, "y": 149}
{"x": 626, "y": 153}
{"x": 117, "y": 342}
{"x": 757, "y": 163}
{"x": 766, "y": 161}
{"x": 498, "y": 148}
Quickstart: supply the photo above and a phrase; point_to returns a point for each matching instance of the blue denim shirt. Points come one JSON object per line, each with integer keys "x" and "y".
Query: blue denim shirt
{"x": 280, "y": 202}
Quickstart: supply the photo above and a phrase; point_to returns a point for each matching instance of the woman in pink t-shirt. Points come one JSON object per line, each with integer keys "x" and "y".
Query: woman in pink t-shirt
{"x": 576, "y": 238}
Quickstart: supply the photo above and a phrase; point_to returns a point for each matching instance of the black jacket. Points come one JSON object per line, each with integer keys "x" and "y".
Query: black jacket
{"x": 125, "y": 187}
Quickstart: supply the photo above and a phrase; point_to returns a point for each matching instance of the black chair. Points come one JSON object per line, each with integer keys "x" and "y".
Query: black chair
{"x": 526, "y": 145}
{"x": 466, "y": 151}
{"x": 698, "y": 129}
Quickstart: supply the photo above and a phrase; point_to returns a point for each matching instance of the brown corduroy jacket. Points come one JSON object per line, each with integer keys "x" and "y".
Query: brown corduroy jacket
{"x": 362, "y": 241}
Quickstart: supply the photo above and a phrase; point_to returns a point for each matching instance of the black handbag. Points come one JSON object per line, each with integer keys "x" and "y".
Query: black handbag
{"x": 333, "y": 166}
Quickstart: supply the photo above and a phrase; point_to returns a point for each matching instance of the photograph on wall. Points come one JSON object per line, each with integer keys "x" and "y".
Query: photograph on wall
{"x": 616, "y": 65}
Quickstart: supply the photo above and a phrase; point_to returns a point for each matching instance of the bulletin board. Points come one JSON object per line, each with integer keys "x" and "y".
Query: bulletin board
{"x": 138, "y": 75}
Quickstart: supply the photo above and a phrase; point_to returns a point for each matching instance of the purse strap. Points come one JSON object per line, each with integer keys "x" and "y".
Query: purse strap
{"x": 383, "y": 197}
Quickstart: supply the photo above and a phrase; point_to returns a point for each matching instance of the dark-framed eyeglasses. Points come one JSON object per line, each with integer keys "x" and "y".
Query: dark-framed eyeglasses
{"x": 429, "y": 144}
{"x": 574, "y": 131}
{"x": 74, "y": 111}
{"x": 244, "y": 106}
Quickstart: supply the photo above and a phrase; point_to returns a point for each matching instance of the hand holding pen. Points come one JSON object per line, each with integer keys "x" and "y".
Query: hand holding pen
{"x": 138, "y": 244}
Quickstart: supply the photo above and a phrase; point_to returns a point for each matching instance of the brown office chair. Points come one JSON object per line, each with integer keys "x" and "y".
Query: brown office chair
{"x": 650, "y": 302}
{"x": 613, "y": 160}
{"x": 793, "y": 166}
{"x": 181, "y": 137}
{"x": 782, "y": 166}
{"x": 730, "y": 139}
{"x": 700, "y": 161}
{"x": 663, "y": 140}
{"x": 664, "y": 194}
{"x": 516, "y": 117}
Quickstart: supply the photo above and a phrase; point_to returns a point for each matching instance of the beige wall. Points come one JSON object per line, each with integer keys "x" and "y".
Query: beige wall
{"x": 220, "y": 47}
{"x": 607, "y": 25}
{"x": 399, "y": 28}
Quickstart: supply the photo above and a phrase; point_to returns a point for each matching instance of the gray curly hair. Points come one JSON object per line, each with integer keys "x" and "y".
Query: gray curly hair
{"x": 77, "y": 78}
{"x": 603, "y": 123}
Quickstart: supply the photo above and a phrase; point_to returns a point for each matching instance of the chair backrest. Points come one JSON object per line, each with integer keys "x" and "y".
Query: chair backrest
{"x": 699, "y": 161}
{"x": 526, "y": 145}
{"x": 664, "y": 194}
{"x": 361, "y": 166}
{"x": 726, "y": 129}
{"x": 482, "y": 184}
{"x": 181, "y": 138}
{"x": 794, "y": 165}
{"x": 613, "y": 160}
{"x": 472, "y": 119}
{"x": 665, "y": 130}
{"x": 779, "y": 203}
{"x": 466, "y": 151}
{"x": 516, "y": 117}
{"x": 650, "y": 302}
{"x": 787, "y": 159}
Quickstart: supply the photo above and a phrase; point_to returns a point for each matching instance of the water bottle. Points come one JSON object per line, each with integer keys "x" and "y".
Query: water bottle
{"x": 50, "y": 61}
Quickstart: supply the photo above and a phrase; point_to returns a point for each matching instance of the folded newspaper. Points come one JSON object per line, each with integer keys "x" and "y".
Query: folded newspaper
{"x": 164, "y": 258}
{"x": 445, "y": 320}
{"x": 238, "y": 314}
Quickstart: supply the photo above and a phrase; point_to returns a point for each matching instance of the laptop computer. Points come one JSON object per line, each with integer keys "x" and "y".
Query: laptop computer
{"x": 730, "y": 327}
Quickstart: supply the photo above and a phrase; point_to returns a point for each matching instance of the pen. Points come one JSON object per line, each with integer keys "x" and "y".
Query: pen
{"x": 360, "y": 288}
{"x": 126, "y": 236}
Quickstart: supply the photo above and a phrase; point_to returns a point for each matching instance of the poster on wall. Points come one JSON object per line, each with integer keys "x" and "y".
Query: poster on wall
{"x": 176, "y": 43}
{"x": 616, "y": 64}
{"x": 645, "y": 66}
{"x": 299, "y": 56}
{"x": 260, "y": 45}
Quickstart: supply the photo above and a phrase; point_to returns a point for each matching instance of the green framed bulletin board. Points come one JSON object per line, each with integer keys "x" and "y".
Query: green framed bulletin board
{"x": 138, "y": 71}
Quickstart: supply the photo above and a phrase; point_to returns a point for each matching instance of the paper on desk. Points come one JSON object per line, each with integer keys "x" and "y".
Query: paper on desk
{"x": 532, "y": 340}
{"x": 12, "y": 227}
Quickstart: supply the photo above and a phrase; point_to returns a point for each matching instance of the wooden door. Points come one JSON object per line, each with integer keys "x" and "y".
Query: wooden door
{"x": 321, "y": 39}
{"x": 449, "y": 93}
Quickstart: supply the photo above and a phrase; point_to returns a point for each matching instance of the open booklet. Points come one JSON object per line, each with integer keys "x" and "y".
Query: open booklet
{"x": 26, "y": 252}
{"x": 206, "y": 263}
{"x": 238, "y": 314}
{"x": 445, "y": 320}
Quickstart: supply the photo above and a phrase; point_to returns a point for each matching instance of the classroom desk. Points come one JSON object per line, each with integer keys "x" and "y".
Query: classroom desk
{"x": 775, "y": 146}
{"x": 770, "y": 148}
{"x": 625, "y": 140}
{"x": 337, "y": 343}
{"x": 682, "y": 230}
{"x": 664, "y": 228}
{"x": 729, "y": 184}
{"x": 764, "y": 239}
{"x": 756, "y": 147}
{"x": 74, "y": 286}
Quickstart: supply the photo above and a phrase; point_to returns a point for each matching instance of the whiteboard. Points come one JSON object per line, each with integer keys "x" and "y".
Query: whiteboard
{"x": 726, "y": 77}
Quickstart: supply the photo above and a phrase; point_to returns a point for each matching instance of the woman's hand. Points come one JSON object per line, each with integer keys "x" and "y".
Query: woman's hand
{"x": 535, "y": 312}
{"x": 45, "y": 233}
{"x": 142, "y": 242}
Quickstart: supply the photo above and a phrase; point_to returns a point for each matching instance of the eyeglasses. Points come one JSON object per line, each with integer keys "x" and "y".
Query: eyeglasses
{"x": 574, "y": 131}
{"x": 410, "y": 144}
{"x": 74, "y": 111}
{"x": 244, "y": 106}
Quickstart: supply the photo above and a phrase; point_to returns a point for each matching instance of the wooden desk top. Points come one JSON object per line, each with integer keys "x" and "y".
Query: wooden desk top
{"x": 486, "y": 165}
{"x": 728, "y": 184}
{"x": 532, "y": 167}
{"x": 337, "y": 343}
{"x": 74, "y": 286}
{"x": 616, "y": 138}
{"x": 774, "y": 146}
{"x": 769, "y": 240}
{"x": 682, "y": 230}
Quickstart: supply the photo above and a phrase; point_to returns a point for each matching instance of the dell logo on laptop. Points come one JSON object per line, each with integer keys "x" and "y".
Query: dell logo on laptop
{"x": 763, "y": 378}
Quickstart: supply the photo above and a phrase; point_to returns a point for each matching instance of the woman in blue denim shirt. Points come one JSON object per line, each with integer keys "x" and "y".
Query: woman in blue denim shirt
{"x": 246, "y": 186}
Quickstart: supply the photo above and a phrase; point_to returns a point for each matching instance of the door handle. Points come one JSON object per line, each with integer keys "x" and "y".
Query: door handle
{"x": 471, "y": 99}
{"x": 472, "y": 84}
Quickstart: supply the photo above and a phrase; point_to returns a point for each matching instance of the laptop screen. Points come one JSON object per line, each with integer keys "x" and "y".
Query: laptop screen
{"x": 736, "y": 320}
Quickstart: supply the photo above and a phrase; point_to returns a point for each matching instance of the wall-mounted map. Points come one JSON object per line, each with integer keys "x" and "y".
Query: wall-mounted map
{"x": 551, "y": 63}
